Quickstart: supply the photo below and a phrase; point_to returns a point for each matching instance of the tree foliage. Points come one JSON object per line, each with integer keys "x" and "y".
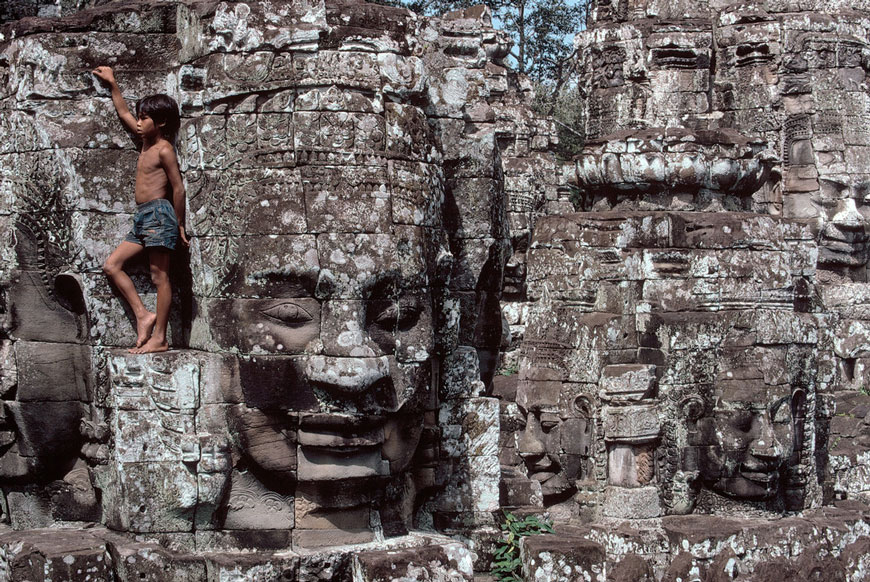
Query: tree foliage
{"x": 541, "y": 31}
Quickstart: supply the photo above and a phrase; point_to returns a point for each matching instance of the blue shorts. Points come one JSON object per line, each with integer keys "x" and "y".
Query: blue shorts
{"x": 154, "y": 225}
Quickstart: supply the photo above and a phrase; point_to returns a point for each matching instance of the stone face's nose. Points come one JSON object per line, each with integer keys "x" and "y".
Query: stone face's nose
{"x": 531, "y": 440}
{"x": 343, "y": 330}
{"x": 847, "y": 214}
{"x": 346, "y": 376}
{"x": 765, "y": 445}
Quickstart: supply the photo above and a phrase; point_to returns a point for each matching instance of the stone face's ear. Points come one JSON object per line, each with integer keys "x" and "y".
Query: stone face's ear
{"x": 692, "y": 408}
{"x": 38, "y": 315}
{"x": 69, "y": 292}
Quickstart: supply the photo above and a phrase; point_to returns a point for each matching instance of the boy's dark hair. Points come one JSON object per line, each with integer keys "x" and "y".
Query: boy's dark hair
{"x": 164, "y": 111}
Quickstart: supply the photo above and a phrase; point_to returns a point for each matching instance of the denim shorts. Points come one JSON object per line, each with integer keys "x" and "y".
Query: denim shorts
{"x": 154, "y": 225}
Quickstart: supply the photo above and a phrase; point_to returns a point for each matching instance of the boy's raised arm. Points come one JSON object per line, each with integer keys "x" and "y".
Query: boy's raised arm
{"x": 169, "y": 161}
{"x": 108, "y": 76}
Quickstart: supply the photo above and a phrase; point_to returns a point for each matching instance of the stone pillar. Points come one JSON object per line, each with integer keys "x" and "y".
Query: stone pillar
{"x": 631, "y": 434}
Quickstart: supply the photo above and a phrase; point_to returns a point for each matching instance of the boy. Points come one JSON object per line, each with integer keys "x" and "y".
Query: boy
{"x": 159, "y": 217}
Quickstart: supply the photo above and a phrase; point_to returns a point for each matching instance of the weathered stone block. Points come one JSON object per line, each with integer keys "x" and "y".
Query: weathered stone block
{"x": 269, "y": 201}
{"x": 363, "y": 256}
{"x": 632, "y": 503}
{"x": 472, "y": 424}
{"x": 346, "y": 199}
{"x": 435, "y": 562}
{"x": 416, "y": 193}
{"x": 133, "y": 562}
{"x": 263, "y": 273}
{"x": 153, "y": 497}
{"x": 36, "y": 315}
{"x": 562, "y": 558}
{"x": 148, "y": 436}
{"x": 632, "y": 382}
{"x": 166, "y": 382}
{"x": 52, "y": 372}
{"x": 521, "y": 492}
{"x": 240, "y": 567}
{"x": 250, "y": 507}
{"x": 476, "y": 201}
{"x": 48, "y": 555}
{"x": 460, "y": 374}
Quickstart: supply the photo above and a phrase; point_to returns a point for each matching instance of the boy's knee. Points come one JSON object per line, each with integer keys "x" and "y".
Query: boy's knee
{"x": 110, "y": 268}
{"x": 159, "y": 277}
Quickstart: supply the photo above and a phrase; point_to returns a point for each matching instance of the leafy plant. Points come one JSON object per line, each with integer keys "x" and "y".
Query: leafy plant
{"x": 507, "y": 566}
{"x": 510, "y": 370}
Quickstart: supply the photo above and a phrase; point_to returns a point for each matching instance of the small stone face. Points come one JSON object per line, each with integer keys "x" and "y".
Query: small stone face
{"x": 747, "y": 439}
{"x": 691, "y": 372}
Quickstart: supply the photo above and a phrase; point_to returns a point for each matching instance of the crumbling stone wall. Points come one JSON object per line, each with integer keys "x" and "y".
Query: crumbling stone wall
{"x": 366, "y": 199}
{"x": 788, "y": 77}
{"x": 324, "y": 147}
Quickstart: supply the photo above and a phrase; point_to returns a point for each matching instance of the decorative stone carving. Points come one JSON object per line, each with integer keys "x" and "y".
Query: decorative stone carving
{"x": 632, "y": 427}
{"x": 787, "y": 86}
{"x": 652, "y": 332}
{"x": 391, "y": 319}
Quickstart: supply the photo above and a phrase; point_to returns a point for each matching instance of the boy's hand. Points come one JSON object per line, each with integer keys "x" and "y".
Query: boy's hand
{"x": 184, "y": 240}
{"x": 105, "y": 73}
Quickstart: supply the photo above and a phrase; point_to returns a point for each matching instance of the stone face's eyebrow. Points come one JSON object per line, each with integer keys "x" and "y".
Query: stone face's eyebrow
{"x": 385, "y": 285}
{"x": 285, "y": 282}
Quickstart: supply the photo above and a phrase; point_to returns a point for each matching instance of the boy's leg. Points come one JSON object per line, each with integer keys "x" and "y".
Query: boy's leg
{"x": 114, "y": 270}
{"x": 159, "y": 259}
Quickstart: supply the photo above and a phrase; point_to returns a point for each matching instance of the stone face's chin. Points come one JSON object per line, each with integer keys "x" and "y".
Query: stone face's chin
{"x": 547, "y": 472}
{"x": 268, "y": 440}
{"x": 326, "y": 447}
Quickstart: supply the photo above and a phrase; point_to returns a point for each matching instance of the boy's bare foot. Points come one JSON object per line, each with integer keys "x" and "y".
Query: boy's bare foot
{"x": 153, "y": 345}
{"x": 144, "y": 327}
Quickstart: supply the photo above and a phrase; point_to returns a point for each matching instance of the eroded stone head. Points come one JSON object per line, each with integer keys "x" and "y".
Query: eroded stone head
{"x": 747, "y": 439}
{"x": 792, "y": 83}
{"x": 320, "y": 260}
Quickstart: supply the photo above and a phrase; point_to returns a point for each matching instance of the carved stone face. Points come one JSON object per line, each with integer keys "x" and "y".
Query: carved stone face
{"x": 538, "y": 446}
{"x": 44, "y": 382}
{"x": 556, "y": 446}
{"x": 843, "y": 240}
{"x": 817, "y": 76}
{"x": 746, "y": 440}
{"x": 338, "y": 367}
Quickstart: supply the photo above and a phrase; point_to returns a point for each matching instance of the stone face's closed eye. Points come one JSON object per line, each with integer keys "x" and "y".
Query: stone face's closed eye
{"x": 288, "y": 314}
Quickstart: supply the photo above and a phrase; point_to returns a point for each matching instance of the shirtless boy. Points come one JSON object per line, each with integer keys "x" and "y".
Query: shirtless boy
{"x": 159, "y": 218}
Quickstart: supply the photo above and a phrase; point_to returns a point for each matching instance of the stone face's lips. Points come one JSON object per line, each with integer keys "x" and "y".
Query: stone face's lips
{"x": 7, "y": 438}
{"x": 845, "y": 235}
{"x": 331, "y": 439}
{"x": 761, "y": 478}
{"x": 542, "y": 476}
{"x": 341, "y": 433}
{"x": 541, "y": 466}
{"x": 341, "y": 421}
